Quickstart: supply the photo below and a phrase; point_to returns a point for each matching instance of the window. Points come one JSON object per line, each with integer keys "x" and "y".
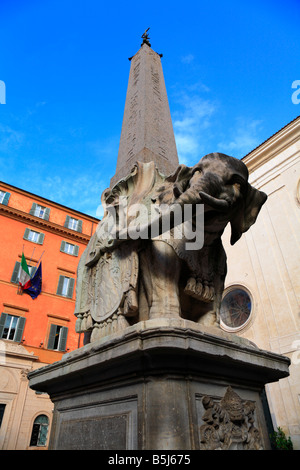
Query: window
{"x": 33, "y": 236}
{"x": 57, "y": 338}
{"x": 39, "y": 431}
{"x": 11, "y": 327}
{"x": 40, "y": 211}
{"x": 17, "y": 271}
{"x": 65, "y": 286}
{"x": 69, "y": 248}
{"x": 73, "y": 224}
{"x": 2, "y": 409}
{"x": 4, "y": 198}
{"x": 236, "y": 309}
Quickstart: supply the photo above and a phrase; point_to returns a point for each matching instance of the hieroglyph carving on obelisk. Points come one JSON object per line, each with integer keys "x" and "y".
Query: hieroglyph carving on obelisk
{"x": 147, "y": 131}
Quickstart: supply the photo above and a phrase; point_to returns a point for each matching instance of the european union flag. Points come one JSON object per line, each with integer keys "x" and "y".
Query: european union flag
{"x": 35, "y": 283}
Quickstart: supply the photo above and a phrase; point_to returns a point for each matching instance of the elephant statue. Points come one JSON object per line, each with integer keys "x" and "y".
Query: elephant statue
{"x": 136, "y": 267}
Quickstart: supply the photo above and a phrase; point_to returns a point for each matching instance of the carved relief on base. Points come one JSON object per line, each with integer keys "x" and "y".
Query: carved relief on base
{"x": 229, "y": 424}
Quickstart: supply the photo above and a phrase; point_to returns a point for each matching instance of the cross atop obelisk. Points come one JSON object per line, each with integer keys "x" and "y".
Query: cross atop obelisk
{"x": 147, "y": 131}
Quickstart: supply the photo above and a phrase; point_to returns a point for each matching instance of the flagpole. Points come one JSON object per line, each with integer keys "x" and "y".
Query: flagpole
{"x": 32, "y": 255}
{"x": 40, "y": 258}
{"x": 20, "y": 291}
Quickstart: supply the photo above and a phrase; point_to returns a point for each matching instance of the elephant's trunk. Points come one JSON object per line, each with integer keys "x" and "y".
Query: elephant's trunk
{"x": 217, "y": 204}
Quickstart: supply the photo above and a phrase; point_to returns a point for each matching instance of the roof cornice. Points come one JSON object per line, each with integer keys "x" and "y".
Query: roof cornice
{"x": 273, "y": 146}
{"x": 16, "y": 214}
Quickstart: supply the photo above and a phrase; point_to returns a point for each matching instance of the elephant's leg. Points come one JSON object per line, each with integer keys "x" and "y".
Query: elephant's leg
{"x": 200, "y": 283}
{"x": 200, "y": 289}
{"x": 165, "y": 272}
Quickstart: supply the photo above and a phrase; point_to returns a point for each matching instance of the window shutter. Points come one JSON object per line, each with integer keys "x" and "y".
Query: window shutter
{"x": 63, "y": 246}
{"x": 41, "y": 238}
{"x": 71, "y": 287}
{"x": 47, "y": 213}
{"x": 67, "y": 221}
{"x": 2, "y": 323}
{"x": 20, "y": 329}
{"x": 26, "y": 234}
{"x": 33, "y": 208}
{"x": 63, "y": 338}
{"x": 60, "y": 285}
{"x": 76, "y": 250}
{"x": 79, "y": 226}
{"x": 15, "y": 274}
{"x": 52, "y": 335}
{"x": 6, "y": 199}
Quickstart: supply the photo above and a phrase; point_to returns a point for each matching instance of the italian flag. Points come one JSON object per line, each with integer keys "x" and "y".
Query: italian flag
{"x": 24, "y": 275}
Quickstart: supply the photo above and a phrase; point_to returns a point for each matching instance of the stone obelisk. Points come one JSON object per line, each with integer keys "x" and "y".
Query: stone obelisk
{"x": 147, "y": 131}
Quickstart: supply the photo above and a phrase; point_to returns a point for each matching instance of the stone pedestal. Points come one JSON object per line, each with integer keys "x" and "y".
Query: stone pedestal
{"x": 161, "y": 385}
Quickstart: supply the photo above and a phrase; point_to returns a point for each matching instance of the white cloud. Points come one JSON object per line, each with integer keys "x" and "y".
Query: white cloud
{"x": 79, "y": 192}
{"x": 192, "y": 119}
{"x": 10, "y": 139}
{"x": 243, "y": 138}
{"x": 187, "y": 59}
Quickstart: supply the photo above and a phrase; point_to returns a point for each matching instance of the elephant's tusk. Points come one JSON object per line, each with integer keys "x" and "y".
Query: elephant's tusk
{"x": 218, "y": 204}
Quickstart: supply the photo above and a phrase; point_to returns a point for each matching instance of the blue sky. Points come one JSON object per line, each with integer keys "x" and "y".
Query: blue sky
{"x": 228, "y": 67}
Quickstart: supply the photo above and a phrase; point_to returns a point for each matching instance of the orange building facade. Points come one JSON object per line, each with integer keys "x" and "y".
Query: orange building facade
{"x": 35, "y": 332}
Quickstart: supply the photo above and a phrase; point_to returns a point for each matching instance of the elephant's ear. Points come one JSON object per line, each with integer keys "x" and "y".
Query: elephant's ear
{"x": 247, "y": 213}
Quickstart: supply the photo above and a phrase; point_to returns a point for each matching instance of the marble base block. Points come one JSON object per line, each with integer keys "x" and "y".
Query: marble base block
{"x": 161, "y": 385}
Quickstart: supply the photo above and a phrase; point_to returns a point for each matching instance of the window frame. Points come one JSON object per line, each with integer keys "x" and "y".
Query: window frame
{"x": 18, "y": 329}
{"x": 33, "y": 236}
{"x": 68, "y": 223}
{"x": 36, "y": 435}
{"x": 227, "y": 291}
{"x": 2, "y": 412}
{"x": 40, "y": 236}
{"x": 57, "y": 339}
{"x": 69, "y": 287}
{"x": 5, "y": 198}
{"x": 36, "y": 207}
{"x": 63, "y": 249}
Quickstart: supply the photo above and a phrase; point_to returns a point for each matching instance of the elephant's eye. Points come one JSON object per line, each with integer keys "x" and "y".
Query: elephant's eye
{"x": 237, "y": 188}
{"x": 195, "y": 177}
{"x": 238, "y": 183}
{"x": 197, "y": 170}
